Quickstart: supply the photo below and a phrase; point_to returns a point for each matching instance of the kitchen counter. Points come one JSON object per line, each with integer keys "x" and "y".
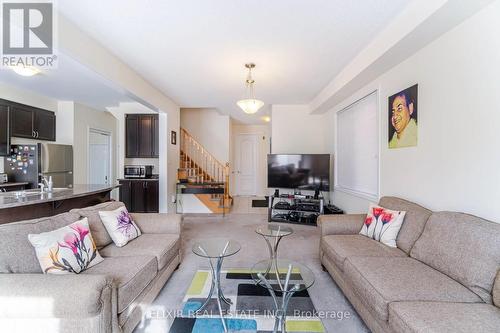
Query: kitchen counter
{"x": 13, "y": 184}
{"x": 14, "y": 207}
{"x": 9, "y": 199}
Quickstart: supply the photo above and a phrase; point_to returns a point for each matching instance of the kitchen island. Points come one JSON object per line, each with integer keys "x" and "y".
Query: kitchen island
{"x": 32, "y": 204}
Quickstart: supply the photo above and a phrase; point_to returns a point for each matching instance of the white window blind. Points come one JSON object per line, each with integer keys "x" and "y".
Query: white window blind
{"x": 357, "y": 148}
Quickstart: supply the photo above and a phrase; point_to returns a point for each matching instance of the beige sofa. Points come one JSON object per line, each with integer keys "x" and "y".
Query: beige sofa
{"x": 440, "y": 278}
{"x": 105, "y": 298}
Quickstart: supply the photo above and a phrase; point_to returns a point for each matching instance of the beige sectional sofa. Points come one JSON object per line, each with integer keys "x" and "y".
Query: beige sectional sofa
{"x": 440, "y": 278}
{"x": 107, "y": 297}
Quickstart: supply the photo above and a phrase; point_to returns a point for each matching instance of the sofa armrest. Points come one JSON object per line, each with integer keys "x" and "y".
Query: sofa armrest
{"x": 54, "y": 296}
{"x": 341, "y": 224}
{"x": 153, "y": 223}
{"x": 496, "y": 290}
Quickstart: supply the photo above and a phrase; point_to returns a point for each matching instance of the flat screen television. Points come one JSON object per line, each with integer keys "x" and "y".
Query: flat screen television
{"x": 299, "y": 171}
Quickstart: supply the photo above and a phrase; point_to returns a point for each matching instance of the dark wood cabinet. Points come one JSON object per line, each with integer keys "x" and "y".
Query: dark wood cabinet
{"x": 131, "y": 135}
{"x": 4, "y": 131}
{"x": 146, "y": 136}
{"x": 21, "y": 122}
{"x": 126, "y": 193}
{"x": 30, "y": 122}
{"x": 141, "y": 135}
{"x": 152, "y": 197}
{"x": 140, "y": 196}
{"x": 45, "y": 125}
{"x": 156, "y": 137}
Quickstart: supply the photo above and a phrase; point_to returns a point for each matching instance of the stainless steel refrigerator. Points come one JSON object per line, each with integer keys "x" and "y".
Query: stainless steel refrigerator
{"x": 29, "y": 163}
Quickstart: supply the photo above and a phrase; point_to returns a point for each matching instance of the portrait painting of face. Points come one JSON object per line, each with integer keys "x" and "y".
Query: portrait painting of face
{"x": 403, "y": 121}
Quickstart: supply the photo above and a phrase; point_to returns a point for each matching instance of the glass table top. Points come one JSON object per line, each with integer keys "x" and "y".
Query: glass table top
{"x": 216, "y": 247}
{"x": 273, "y": 230}
{"x": 300, "y": 275}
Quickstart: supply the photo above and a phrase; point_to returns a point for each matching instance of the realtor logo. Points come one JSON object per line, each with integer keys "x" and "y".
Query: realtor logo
{"x": 28, "y": 34}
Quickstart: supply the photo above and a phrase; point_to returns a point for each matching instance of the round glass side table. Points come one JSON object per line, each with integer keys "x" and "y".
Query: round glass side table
{"x": 289, "y": 278}
{"x": 215, "y": 250}
{"x": 273, "y": 233}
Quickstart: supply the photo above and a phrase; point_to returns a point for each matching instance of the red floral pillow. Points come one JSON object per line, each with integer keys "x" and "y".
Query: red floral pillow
{"x": 382, "y": 224}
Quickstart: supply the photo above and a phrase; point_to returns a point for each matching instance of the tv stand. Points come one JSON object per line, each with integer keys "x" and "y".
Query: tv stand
{"x": 299, "y": 209}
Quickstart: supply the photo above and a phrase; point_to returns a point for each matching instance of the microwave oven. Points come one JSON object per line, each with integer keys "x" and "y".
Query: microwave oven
{"x": 138, "y": 171}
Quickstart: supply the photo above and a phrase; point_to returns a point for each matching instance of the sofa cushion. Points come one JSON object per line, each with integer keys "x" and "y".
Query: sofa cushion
{"x": 340, "y": 247}
{"x": 162, "y": 246}
{"x": 120, "y": 226}
{"x": 496, "y": 290}
{"x": 97, "y": 229}
{"x": 131, "y": 275}
{"x": 464, "y": 247}
{"x": 17, "y": 255}
{"x": 379, "y": 281}
{"x": 67, "y": 250}
{"x": 413, "y": 224}
{"x": 437, "y": 317}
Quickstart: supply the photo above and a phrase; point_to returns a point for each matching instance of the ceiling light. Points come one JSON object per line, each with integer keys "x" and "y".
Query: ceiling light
{"x": 25, "y": 70}
{"x": 250, "y": 105}
{"x": 266, "y": 119}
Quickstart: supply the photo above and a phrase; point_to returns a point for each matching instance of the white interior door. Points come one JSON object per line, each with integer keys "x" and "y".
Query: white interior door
{"x": 245, "y": 172}
{"x": 99, "y": 157}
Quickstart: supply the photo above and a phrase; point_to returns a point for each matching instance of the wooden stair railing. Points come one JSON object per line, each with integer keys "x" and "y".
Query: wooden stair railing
{"x": 200, "y": 166}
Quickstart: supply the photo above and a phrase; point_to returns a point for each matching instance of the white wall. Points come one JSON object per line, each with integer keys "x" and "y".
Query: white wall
{"x": 210, "y": 128}
{"x": 85, "y": 118}
{"x": 263, "y": 135}
{"x": 456, "y": 163}
{"x": 295, "y": 131}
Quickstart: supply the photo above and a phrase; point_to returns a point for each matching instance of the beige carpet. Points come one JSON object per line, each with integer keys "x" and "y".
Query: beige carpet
{"x": 302, "y": 246}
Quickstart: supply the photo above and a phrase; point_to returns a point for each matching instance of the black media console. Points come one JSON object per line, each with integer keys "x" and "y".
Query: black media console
{"x": 299, "y": 209}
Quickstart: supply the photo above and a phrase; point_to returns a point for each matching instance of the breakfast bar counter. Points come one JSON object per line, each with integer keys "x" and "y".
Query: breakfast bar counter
{"x": 31, "y": 204}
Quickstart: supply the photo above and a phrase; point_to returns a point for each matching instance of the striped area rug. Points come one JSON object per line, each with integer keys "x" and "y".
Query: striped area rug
{"x": 252, "y": 309}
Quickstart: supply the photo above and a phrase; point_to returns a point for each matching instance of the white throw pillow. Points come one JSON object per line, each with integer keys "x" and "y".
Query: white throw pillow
{"x": 70, "y": 249}
{"x": 383, "y": 224}
{"x": 119, "y": 225}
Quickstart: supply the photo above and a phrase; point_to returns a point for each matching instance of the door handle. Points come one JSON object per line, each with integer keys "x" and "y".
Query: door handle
{"x": 37, "y": 134}
{"x": 33, "y": 134}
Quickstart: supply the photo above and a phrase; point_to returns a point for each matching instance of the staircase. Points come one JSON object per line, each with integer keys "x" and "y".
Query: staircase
{"x": 203, "y": 175}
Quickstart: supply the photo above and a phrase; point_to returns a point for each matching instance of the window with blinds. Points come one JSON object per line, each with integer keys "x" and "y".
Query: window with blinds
{"x": 357, "y": 160}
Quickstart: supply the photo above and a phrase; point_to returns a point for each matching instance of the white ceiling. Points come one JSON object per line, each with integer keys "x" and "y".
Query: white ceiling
{"x": 194, "y": 50}
{"x": 71, "y": 81}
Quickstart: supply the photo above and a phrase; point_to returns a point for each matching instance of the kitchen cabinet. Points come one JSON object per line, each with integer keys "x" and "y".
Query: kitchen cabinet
{"x": 140, "y": 196}
{"x": 45, "y": 125}
{"x": 30, "y": 122}
{"x": 4, "y": 131}
{"x": 141, "y": 136}
{"x": 131, "y": 135}
{"x": 156, "y": 137}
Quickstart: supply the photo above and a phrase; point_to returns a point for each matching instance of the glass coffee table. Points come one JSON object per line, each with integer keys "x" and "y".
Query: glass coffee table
{"x": 288, "y": 278}
{"x": 215, "y": 250}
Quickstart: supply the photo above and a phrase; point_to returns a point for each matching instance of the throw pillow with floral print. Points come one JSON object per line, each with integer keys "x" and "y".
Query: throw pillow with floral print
{"x": 382, "y": 224}
{"x": 119, "y": 225}
{"x": 70, "y": 249}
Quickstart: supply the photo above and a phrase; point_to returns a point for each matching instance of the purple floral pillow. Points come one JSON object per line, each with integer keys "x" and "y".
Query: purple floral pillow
{"x": 119, "y": 225}
{"x": 70, "y": 249}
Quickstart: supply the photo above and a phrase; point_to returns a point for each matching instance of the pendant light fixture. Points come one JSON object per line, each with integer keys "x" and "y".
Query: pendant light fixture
{"x": 250, "y": 105}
